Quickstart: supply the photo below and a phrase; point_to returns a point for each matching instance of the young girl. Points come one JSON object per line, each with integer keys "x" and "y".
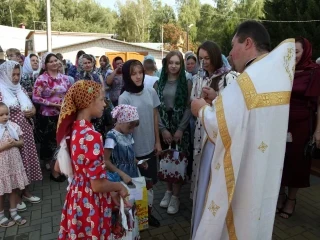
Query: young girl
{"x": 146, "y": 135}
{"x": 119, "y": 152}
{"x": 12, "y": 173}
{"x": 87, "y": 210}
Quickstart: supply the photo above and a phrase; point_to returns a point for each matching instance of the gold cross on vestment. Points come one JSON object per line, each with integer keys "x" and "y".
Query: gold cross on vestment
{"x": 263, "y": 147}
{"x": 213, "y": 208}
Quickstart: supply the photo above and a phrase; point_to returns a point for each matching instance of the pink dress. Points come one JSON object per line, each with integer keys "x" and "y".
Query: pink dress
{"x": 86, "y": 214}
{"x": 28, "y": 151}
{"x": 12, "y": 173}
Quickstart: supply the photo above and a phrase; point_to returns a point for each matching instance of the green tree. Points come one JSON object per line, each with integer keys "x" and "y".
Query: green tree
{"x": 134, "y": 20}
{"x": 293, "y": 10}
{"x": 189, "y": 13}
{"x": 162, "y": 14}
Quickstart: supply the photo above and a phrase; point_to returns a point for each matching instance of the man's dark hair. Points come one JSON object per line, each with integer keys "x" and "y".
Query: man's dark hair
{"x": 118, "y": 58}
{"x": 257, "y": 32}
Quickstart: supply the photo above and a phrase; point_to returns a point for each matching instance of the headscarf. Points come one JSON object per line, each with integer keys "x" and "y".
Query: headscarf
{"x": 187, "y": 56}
{"x": 129, "y": 85}
{"x": 12, "y": 131}
{"x": 27, "y": 67}
{"x": 306, "y": 62}
{"x": 13, "y": 95}
{"x": 125, "y": 113}
{"x": 79, "y": 96}
{"x": 84, "y": 75}
{"x": 225, "y": 61}
{"x": 181, "y": 98}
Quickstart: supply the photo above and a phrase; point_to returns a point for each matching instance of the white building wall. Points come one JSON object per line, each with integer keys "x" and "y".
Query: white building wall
{"x": 100, "y": 47}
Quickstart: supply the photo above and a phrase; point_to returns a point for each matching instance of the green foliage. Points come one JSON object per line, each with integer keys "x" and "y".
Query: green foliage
{"x": 66, "y": 15}
{"x": 141, "y": 20}
{"x": 293, "y": 10}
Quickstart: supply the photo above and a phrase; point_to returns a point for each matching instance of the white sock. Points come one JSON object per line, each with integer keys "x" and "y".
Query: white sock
{"x": 13, "y": 212}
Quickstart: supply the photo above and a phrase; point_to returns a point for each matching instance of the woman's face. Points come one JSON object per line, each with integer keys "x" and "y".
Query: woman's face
{"x": 191, "y": 63}
{"x": 203, "y": 55}
{"x": 16, "y": 76}
{"x": 174, "y": 65}
{"x": 97, "y": 106}
{"x": 137, "y": 76}
{"x": 87, "y": 64}
{"x": 34, "y": 63}
{"x": 102, "y": 63}
{"x": 299, "y": 52}
{"x": 53, "y": 64}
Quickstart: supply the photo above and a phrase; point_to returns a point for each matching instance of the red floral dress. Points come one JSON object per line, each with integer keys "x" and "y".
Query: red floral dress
{"x": 86, "y": 214}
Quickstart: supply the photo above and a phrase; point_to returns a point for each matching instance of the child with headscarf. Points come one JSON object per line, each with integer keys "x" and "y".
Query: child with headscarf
{"x": 146, "y": 135}
{"x": 12, "y": 173}
{"x": 119, "y": 152}
{"x": 88, "y": 204}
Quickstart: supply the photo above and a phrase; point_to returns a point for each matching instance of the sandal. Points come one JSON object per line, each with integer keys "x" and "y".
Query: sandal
{"x": 5, "y": 222}
{"x": 18, "y": 219}
{"x": 278, "y": 210}
{"x": 289, "y": 215}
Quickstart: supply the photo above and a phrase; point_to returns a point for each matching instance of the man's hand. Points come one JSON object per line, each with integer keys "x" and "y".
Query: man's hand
{"x": 196, "y": 105}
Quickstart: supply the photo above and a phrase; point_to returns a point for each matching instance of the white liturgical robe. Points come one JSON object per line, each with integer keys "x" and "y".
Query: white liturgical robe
{"x": 248, "y": 123}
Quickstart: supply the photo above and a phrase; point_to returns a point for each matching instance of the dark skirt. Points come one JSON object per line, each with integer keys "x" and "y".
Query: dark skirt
{"x": 296, "y": 169}
{"x": 47, "y": 128}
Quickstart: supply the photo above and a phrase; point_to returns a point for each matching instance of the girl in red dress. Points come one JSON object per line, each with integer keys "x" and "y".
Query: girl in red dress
{"x": 88, "y": 205}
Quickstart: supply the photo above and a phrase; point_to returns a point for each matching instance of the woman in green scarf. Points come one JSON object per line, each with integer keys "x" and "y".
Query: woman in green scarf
{"x": 174, "y": 93}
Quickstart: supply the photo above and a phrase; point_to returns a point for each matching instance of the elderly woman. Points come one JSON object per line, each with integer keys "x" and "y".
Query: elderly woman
{"x": 49, "y": 91}
{"x": 21, "y": 110}
{"x": 30, "y": 72}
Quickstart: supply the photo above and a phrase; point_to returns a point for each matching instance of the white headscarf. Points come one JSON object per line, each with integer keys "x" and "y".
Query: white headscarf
{"x": 12, "y": 95}
{"x": 27, "y": 67}
{"x": 12, "y": 131}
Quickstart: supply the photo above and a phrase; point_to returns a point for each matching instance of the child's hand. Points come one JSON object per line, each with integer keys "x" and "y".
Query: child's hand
{"x": 126, "y": 178}
{"x": 144, "y": 165}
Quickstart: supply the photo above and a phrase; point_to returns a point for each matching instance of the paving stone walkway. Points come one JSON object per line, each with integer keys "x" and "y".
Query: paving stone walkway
{"x": 44, "y": 218}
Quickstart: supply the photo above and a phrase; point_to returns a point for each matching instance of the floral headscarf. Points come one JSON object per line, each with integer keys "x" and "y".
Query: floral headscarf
{"x": 79, "y": 96}
{"x": 12, "y": 94}
{"x": 125, "y": 113}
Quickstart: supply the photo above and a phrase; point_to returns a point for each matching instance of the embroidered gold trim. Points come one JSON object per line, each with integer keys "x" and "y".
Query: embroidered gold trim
{"x": 204, "y": 126}
{"x": 213, "y": 208}
{"x": 287, "y": 59}
{"x": 263, "y": 147}
{"x": 228, "y": 166}
{"x": 258, "y": 100}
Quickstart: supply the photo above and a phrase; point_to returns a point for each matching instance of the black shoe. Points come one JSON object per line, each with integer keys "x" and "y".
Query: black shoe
{"x": 153, "y": 222}
{"x": 61, "y": 178}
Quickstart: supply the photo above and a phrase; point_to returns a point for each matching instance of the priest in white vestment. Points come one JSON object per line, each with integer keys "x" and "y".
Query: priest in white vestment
{"x": 248, "y": 123}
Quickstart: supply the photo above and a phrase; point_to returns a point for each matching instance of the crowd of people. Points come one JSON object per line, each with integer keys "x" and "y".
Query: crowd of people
{"x": 93, "y": 124}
